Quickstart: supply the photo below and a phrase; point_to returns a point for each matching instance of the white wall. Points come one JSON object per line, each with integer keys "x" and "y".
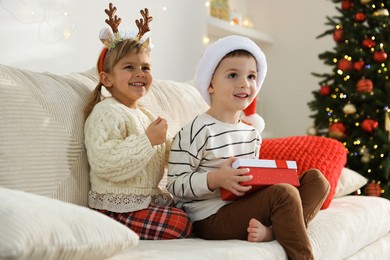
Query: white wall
{"x": 291, "y": 58}
{"x": 176, "y": 40}
{"x": 177, "y": 34}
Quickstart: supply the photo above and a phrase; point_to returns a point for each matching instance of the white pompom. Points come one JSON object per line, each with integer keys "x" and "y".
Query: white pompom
{"x": 256, "y": 121}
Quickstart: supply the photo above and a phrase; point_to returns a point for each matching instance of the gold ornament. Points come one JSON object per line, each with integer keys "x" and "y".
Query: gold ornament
{"x": 349, "y": 109}
{"x": 387, "y": 123}
{"x": 366, "y": 157}
{"x": 365, "y": 1}
{"x": 311, "y": 131}
{"x": 382, "y": 12}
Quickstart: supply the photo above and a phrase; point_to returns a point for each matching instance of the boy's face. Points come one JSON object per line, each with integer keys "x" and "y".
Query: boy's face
{"x": 233, "y": 85}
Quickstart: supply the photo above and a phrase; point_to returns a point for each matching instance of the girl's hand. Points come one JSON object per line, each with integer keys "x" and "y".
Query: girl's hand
{"x": 157, "y": 131}
{"x": 229, "y": 178}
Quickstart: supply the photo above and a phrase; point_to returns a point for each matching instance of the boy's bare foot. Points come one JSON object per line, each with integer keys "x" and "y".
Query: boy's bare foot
{"x": 257, "y": 232}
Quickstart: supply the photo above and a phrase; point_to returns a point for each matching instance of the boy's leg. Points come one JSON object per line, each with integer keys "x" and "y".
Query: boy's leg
{"x": 313, "y": 190}
{"x": 278, "y": 205}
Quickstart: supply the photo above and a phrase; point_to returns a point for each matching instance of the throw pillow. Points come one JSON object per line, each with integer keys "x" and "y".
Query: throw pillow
{"x": 349, "y": 182}
{"x": 326, "y": 154}
{"x": 37, "y": 227}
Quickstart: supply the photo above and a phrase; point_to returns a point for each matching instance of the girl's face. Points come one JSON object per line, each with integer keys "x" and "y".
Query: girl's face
{"x": 233, "y": 85}
{"x": 130, "y": 78}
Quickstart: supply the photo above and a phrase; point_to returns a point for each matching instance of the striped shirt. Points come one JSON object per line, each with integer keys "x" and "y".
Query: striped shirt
{"x": 201, "y": 146}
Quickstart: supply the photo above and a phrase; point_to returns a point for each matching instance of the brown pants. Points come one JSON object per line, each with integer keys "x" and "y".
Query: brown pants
{"x": 284, "y": 207}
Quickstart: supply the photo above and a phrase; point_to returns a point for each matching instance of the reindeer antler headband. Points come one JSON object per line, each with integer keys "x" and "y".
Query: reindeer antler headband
{"x": 110, "y": 39}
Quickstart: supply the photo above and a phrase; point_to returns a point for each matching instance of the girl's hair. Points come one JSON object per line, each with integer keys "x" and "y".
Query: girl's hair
{"x": 110, "y": 59}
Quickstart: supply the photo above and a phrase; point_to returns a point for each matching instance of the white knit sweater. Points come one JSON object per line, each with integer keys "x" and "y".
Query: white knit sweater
{"x": 125, "y": 168}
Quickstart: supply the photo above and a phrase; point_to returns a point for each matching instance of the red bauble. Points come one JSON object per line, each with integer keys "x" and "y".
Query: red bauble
{"x": 338, "y": 35}
{"x": 337, "y": 130}
{"x": 358, "y": 65}
{"x": 364, "y": 85}
{"x": 346, "y": 4}
{"x": 368, "y": 43}
{"x": 325, "y": 90}
{"x": 369, "y": 125}
{"x": 344, "y": 64}
{"x": 380, "y": 56}
{"x": 373, "y": 189}
{"x": 360, "y": 17}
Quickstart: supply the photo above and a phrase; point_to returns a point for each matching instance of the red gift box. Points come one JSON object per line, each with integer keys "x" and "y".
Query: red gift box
{"x": 265, "y": 173}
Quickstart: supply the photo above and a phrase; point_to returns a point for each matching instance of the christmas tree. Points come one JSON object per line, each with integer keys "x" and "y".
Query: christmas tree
{"x": 353, "y": 99}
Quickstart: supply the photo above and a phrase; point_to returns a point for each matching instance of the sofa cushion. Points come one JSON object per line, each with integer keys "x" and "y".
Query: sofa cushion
{"x": 326, "y": 154}
{"x": 37, "y": 227}
{"x": 350, "y": 181}
{"x": 41, "y": 133}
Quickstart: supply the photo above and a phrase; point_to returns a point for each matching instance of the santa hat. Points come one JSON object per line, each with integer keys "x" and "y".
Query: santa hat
{"x": 210, "y": 60}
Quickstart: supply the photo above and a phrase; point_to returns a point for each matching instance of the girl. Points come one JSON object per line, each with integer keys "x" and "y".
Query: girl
{"x": 127, "y": 146}
{"x": 229, "y": 77}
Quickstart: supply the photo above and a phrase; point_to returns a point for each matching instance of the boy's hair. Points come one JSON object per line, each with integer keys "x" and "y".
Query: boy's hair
{"x": 234, "y": 54}
{"x": 111, "y": 58}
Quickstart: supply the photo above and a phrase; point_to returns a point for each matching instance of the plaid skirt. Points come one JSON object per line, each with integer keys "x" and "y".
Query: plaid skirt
{"x": 155, "y": 222}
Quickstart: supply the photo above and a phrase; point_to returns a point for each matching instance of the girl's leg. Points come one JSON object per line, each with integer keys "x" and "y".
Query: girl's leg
{"x": 278, "y": 205}
{"x": 314, "y": 189}
{"x": 155, "y": 223}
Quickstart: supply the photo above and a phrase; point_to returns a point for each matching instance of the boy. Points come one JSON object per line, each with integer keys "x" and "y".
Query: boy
{"x": 229, "y": 77}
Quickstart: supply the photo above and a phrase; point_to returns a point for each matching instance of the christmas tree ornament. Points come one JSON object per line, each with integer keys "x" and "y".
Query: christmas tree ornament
{"x": 338, "y": 35}
{"x": 373, "y": 189}
{"x": 325, "y": 90}
{"x": 365, "y": 1}
{"x": 387, "y": 123}
{"x": 346, "y": 5}
{"x": 349, "y": 109}
{"x": 337, "y": 130}
{"x": 380, "y": 56}
{"x": 382, "y": 12}
{"x": 311, "y": 131}
{"x": 369, "y": 125}
{"x": 344, "y": 64}
{"x": 364, "y": 85}
{"x": 360, "y": 17}
{"x": 365, "y": 158}
{"x": 358, "y": 65}
{"x": 368, "y": 43}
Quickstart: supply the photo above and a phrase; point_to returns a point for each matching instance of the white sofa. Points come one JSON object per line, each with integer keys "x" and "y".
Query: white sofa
{"x": 44, "y": 184}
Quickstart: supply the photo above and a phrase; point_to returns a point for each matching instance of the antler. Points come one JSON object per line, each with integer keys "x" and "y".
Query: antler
{"x": 113, "y": 21}
{"x": 143, "y": 24}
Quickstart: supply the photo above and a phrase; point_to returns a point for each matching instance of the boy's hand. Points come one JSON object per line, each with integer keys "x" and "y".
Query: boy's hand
{"x": 157, "y": 131}
{"x": 229, "y": 178}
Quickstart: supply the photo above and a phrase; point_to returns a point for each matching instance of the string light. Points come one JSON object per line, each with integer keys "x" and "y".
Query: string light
{"x": 54, "y": 26}
{"x": 206, "y": 40}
